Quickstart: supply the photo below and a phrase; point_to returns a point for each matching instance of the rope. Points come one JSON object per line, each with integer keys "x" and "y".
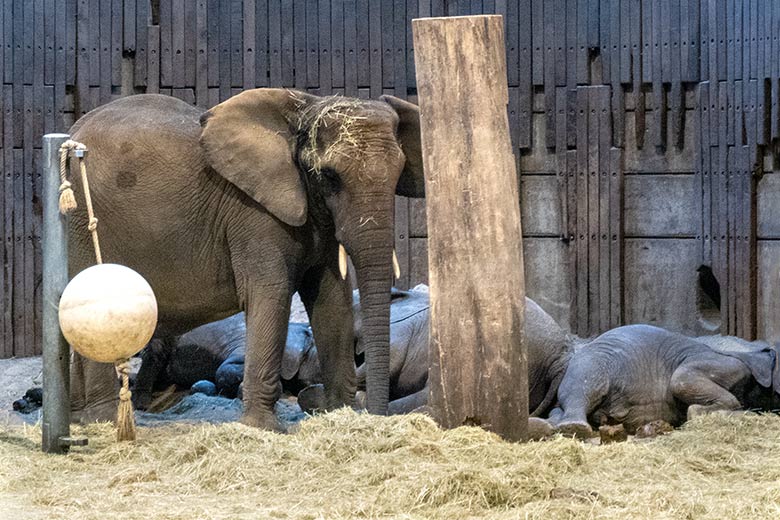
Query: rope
{"x": 67, "y": 199}
{"x": 125, "y": 423}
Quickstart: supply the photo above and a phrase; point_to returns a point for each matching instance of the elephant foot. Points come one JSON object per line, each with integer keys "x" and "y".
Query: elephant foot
{"x": 360, "y": 401}
{"x": 697, "y": 410}
{"x": 539, "y": 429}
{"x": 578, "y": 429}
{"x": 312, "y": 398}
{"x": 263, "y": 421}
{"x": 103, "y": 412}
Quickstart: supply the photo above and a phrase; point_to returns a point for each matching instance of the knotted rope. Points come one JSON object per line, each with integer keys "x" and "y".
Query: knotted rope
{"x": 125, "y": 422}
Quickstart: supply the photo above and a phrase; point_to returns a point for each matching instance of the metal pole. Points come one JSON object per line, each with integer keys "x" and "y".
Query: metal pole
{"x": 56, "y": 352}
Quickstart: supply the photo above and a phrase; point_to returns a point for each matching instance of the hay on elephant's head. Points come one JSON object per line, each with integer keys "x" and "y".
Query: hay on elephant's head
{"x": 340, "y": 112}
{"x": 348, "y": 465}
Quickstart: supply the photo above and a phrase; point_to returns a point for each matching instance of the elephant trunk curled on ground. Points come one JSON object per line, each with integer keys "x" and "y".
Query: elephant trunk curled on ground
{"x": 237, "y": 208}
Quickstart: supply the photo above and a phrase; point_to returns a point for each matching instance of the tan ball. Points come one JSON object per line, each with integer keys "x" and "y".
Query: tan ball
{"x": 108, "y": 313}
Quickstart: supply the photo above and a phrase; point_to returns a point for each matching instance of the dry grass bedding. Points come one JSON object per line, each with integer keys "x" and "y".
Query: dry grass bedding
{"x": 348, "y": 465}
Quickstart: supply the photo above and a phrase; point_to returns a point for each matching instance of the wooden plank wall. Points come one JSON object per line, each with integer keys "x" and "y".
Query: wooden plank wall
{"x": 638, "y": 63}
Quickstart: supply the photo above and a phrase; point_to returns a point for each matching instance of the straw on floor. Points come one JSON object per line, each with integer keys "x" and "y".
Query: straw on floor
{"x": 349, "y": 465}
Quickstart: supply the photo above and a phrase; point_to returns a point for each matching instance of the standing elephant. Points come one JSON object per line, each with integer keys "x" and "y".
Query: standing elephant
{"x": 637, "y": 374}
{"x": 237, "y": 208}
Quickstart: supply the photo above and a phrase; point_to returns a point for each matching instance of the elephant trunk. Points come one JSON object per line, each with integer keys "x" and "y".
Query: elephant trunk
{"x": 374, "y": 270}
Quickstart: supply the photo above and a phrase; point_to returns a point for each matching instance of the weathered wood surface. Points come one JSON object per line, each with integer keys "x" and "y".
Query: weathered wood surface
{"x": 474, "y": 243}
{"x": 61, "y": 58}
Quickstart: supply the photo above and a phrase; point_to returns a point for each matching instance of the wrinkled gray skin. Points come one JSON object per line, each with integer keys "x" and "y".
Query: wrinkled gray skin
{"x": 636, "y": 374}
{"x": 215, "y": 352}
{"x": 237, "y": 208}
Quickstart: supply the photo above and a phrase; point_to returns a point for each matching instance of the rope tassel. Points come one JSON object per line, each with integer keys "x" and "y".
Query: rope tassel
{"x": 125, "y": 420}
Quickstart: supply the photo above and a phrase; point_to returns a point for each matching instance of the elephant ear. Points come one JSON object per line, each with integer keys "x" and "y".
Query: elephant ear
{"x": 297, "y": 345}
{"x": 248, "y": 141}
{"x": 761, "y": 364}
{"x": 412, "y": 181}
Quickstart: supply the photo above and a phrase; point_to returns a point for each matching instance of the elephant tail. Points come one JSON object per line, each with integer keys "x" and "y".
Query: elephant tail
{"x": 549, "y": 398}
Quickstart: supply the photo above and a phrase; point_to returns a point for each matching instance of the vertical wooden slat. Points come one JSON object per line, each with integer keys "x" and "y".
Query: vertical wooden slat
{"x": 363, "y": 45}
{"x": 594, "y": 300}
{"x": 261, "y": 42}
{"x": 572, "y": 238}
{"x": 249, "y": 48}
{"x": 376, "y": 24}
{"x": 549, "y": 45}
{"x": 605, "y": 38}
{"x": 142, "y": 21}
{"x": 323, "y": 12}
{"x": 583, "y": 199}
{"x": 191, "y": 42}
{"x": 537, "y": 39}
{"x": 213, "y": 27}
{"x": 525, "y": 89}
{"x": 399, "y": 45}
{"x": 603, "y": 173}
{"x": 18, "y": 252}
{"x": 25, "y": 206}
{"x": 337, "y": 42}
{"x": 178, "y": 51}
{"x": 312, "y": 43}
{"x": 8, "y": 216}
{"x": 202, "y": 55}
{"x": 583, "y": 61}
{"x": 388, "y": 53}
{"x": 236, "y": 46}
{"x": 7, "y": 41}
{"x": 153, "y": 62}
{"x": 299, "y": 43}
{"x": 350, "y": 49}
{"x": 166, "y": 42}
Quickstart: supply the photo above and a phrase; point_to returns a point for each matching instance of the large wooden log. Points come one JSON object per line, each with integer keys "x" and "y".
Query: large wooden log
{"x": 478, "y": 372}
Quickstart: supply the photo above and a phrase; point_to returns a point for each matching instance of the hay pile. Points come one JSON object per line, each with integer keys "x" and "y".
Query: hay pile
{"x": 345, "y": 465}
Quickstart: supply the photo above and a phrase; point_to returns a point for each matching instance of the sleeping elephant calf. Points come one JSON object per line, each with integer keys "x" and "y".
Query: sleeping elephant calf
{"x": 548, "y": 347}
{"x": 215, "y": 352}
{"x": 636, "y": 374}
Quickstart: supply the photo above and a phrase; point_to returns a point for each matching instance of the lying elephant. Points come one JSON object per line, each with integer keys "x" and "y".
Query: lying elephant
{"x": 636, "y": 374}
{"x": 218, "y": 350}
{"x": 548, "y": 347}
{"x": 215, "y": 352}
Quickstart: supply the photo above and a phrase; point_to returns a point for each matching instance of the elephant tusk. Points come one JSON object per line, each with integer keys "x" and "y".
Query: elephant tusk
{"x": 343, "y": 262}
{"x": 396, "y": 267}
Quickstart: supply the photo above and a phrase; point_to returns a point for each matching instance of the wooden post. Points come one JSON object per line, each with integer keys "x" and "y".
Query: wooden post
{"x": 56, "y": 352}
{"x": 478, "y": 363}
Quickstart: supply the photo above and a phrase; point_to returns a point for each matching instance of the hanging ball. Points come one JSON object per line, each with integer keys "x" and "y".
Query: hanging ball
{"x": 108, "y": 313}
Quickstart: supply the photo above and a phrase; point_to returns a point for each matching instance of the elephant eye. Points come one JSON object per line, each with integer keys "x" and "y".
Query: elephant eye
{"x": 331, "y": 182}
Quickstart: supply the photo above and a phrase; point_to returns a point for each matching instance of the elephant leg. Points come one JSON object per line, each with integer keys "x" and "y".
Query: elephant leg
{"x": 580, "y": 393}
{"x": 329, "y": 304}
{"x": 267, "y": 312}
{"x": 701, "y": 385}
{"x": 94, "y": 390}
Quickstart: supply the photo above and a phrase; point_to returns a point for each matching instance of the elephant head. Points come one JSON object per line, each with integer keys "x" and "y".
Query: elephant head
{"x": 336, "y": 163}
